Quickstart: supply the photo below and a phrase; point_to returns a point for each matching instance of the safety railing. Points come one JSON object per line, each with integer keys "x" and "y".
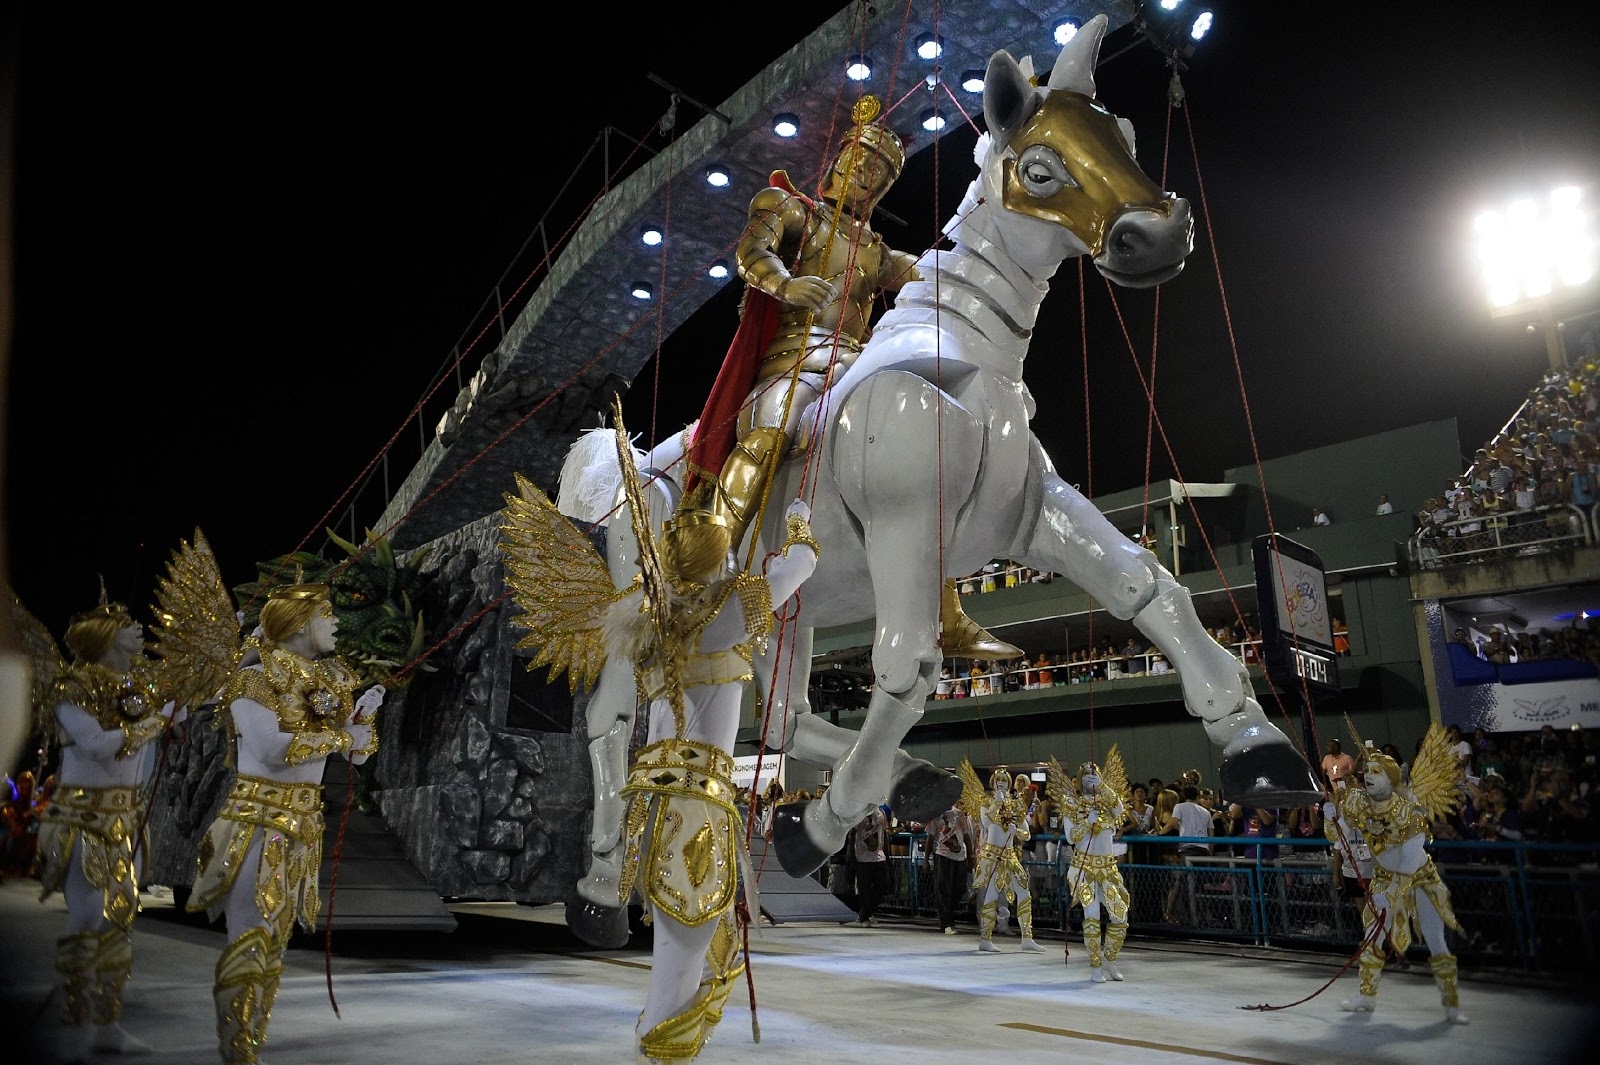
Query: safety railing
{"x": 1507, "y": 535}
{"x": 1533, "y": 905}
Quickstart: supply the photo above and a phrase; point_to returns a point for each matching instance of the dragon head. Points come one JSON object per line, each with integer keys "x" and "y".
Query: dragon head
{"x": 380, "y": 629}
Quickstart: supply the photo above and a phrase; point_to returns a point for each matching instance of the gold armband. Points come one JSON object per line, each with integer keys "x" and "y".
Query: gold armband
{"x": 765, "y": 272}
{"x": 135, "y": 734}
{"x": 368, "y": 749}
{"x": 800, "y": 533}
{"x": 308, "y": 745}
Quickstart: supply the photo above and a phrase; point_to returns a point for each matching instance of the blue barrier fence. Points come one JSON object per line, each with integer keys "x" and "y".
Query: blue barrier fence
{"x": 1534, "y": 905}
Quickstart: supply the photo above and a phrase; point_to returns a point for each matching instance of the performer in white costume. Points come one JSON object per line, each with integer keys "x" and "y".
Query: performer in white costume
{"x": 1002, "y": 821}
{"x": 689, "y": 645}
{"x": 108, "y": 712}
{"x": 1406, "y": 887}
{"x": 287, "y": 713}
{"x": 1092, "y": 808}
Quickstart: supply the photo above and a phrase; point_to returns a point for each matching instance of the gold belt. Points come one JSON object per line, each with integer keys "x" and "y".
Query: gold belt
{"x": 88, "y": 806}
{"x": 683, "y": 767}
{"x": 293, "y": 809}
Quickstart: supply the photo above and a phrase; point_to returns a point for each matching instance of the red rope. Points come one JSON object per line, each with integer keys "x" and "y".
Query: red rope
{"x": 333, "y": 878}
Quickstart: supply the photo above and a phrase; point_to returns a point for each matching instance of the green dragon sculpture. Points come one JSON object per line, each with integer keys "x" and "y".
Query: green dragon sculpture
{"x": 380, "y": 630}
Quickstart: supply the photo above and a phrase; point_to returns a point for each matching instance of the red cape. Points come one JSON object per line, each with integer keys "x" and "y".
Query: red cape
{"x": 718, "y": 427}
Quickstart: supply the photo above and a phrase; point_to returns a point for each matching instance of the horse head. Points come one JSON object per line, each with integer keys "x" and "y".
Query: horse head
{"x": 1055, "y": 155}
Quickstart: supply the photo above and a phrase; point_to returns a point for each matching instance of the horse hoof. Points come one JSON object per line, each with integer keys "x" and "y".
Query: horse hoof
{"x": 1269, "y": 775}
{"x": 798, "y": 853}
{"x": 598, "y": 926}
{"x": 923, "y": 792}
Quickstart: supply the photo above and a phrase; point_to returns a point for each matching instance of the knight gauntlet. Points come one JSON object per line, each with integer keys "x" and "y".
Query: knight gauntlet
{"x": 702, "y": 533}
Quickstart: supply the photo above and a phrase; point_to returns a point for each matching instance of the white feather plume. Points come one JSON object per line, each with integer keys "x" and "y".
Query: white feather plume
{"x": 591, "y": 478}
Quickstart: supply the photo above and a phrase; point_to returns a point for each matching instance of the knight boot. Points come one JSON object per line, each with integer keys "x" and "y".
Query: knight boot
{"x": 1371, "y": 972}
{"x": 1025, "y": 925}
{"x": 708, "y": 526}
{"x": 75, "y": 958}
{"x": 988, "y": 913}
{"x": 113, "y": 963}
{"x": 964, "y": 638}
{"x": 1115, "y": 934}
{"x": 247, "y": 983}
{"x": 1091, "y": 942}
{"x": 1444, "y": 974}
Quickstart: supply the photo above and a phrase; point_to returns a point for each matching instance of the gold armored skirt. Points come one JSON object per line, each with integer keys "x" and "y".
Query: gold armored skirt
{"x": 688, "y": 869}
{"x": 999, "y": 867}
{"x": 102, "y": 823}
{"x": 1089, "y": 871}
{"x": 287, "y": 818}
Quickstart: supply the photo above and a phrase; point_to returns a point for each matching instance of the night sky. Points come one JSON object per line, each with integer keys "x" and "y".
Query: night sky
{"x": 245, "y": 247}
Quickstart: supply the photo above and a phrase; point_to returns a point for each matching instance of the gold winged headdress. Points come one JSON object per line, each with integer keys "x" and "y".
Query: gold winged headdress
{"x": 1436, "y": 773}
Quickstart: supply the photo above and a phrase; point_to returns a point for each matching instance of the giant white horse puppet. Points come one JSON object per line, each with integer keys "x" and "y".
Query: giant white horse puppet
{"x": 922, "y": 456}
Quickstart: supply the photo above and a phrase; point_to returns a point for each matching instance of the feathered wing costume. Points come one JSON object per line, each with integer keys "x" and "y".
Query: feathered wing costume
{"x": 1094, "y": 880}
{"x": 1393, "y": 824}
{"x": 576, "y": 621}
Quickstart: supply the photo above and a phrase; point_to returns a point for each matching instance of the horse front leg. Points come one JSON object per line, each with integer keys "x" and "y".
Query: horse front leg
{"x": 1260, "y": 765}
{"x": 881, "y": 446}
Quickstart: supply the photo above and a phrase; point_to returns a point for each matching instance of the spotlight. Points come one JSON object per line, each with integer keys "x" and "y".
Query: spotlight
{"x": 1172, "y": 32}
{"x": 930, "y": 46}
{"x": 1065, "y": 30}
{"x": 786, "y": 125}
{"x": 1200, "y": 26}
{"x": 641, "y": 290}
{"x": 651, "y": 235}
{"x": 718, "y": 270}
{"x": 972, "y": 80}
{"x": 932, "y": 121}
{"x": 717, "y": 177}
{"x": 858, "y": 68}
{"x": 1170, "y": 5}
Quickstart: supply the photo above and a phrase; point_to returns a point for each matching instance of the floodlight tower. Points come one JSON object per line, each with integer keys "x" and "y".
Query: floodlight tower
{"x": 1538, "y": 263}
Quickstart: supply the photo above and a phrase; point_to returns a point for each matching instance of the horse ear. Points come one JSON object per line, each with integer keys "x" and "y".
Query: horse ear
{"x": 1008, "y": 98}
{"x": 1074, "y": 69}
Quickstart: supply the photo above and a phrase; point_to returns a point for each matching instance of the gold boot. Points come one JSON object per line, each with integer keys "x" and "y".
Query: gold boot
{"x": 1115, "y": 934}
{"x": 247, "y": 982}
{"x": 964, "y": 638}
{"x": 710, "y": 524}
{"x": 1444, "y": 974}
{"x": 988, "y": 914}
{"x": 111, "y": 968}
{"x": 1091, "y": 941}
{"x": 75, "y": 958}
{"x": 1025, "y": 925}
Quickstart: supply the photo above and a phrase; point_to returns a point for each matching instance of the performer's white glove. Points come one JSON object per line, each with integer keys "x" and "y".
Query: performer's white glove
{"x": 369, "y": 702}
{"x": 798, "y": 509}
{"x": 1094, "y": 817}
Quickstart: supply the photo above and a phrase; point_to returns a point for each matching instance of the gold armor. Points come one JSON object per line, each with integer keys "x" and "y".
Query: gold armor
{"x": 102, "y": 824}
{"x": 825, "y": 266}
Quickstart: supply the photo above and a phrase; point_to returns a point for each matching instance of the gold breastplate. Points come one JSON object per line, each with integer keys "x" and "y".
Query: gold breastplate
{"x": 307, "y": 695}
{"x": 113, "y": 699}
{"x": 852, "y": 267}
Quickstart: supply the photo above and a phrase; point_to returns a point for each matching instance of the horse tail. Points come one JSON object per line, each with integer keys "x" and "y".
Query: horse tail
{"x": 591, "y": 477}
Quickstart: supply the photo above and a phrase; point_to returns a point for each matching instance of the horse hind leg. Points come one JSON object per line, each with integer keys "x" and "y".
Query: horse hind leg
{"x": 886, "y": 430}
{"x": 918, "y": 789}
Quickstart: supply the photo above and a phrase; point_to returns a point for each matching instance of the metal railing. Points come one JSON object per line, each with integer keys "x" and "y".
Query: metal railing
{"x": 1492, "y": 536}
{"x": 1533, "y": 905}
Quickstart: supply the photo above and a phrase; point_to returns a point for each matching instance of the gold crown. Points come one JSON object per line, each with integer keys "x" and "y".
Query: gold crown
{"x": 876, "y": 136}
{"x": 1088, "y": 769}
{"x": 1000, "y": 774}
{"x": 103, "y": 609}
